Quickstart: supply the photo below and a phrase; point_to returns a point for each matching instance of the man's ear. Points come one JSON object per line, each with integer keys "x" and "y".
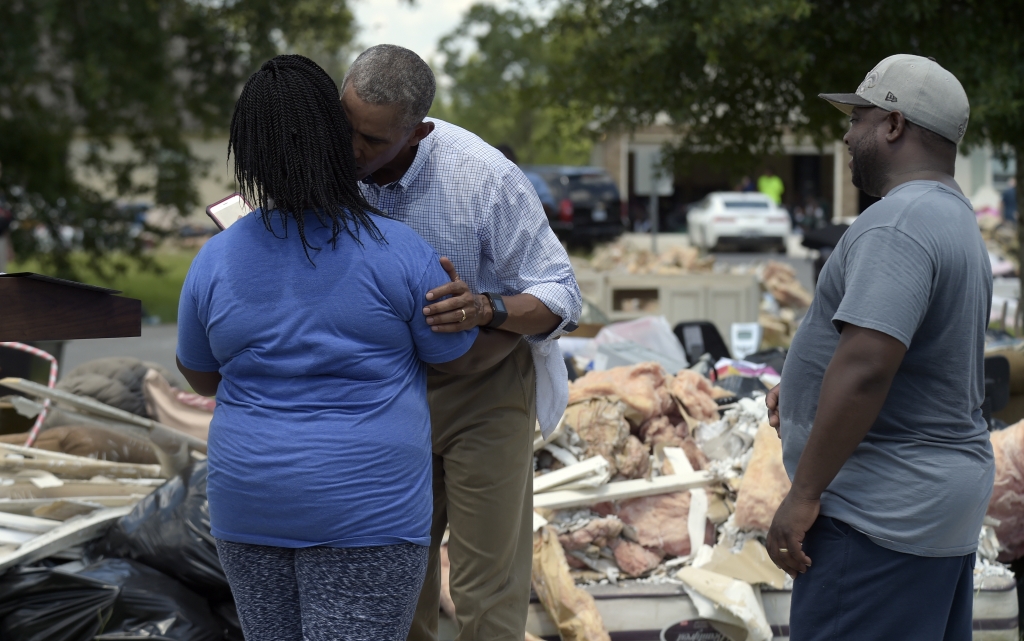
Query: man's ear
{"x": 896, "y": 126}
{"x": 419, "y": 132}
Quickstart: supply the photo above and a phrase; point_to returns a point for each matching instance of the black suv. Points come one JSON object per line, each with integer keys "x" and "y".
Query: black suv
{"x": 582, "y": 203}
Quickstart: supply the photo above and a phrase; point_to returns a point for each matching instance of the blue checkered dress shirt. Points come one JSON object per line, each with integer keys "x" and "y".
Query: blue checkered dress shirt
{"x": 478, "y": 209}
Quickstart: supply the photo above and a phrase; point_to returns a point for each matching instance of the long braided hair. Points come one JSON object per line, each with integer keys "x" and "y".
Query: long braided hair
{"x": 292, "y": 144}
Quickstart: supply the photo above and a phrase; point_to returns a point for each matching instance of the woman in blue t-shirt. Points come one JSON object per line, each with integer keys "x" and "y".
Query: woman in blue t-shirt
{"x": 305, "y": 319}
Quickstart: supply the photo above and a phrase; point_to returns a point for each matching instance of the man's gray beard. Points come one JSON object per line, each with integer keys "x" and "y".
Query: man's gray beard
{"x": 869, "y": 171}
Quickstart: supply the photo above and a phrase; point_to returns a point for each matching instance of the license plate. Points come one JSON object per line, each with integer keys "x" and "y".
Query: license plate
{"x": 751, "y": 233}
{"x": 599, "y": 215}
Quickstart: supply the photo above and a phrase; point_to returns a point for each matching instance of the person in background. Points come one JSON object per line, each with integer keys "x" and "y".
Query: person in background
{"x": 304, "y": 318}
{"x": 771, "y": 185}
{"x": 508, "y": 270}
{"x": 1010, "y": 200}
{"x": 508, "y": 152}
{"x": 881, "y": 525}
{"x": 745, "y": 184}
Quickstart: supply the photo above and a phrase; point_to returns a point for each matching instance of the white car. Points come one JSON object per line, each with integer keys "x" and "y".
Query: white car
{"x": 741, "y": 219}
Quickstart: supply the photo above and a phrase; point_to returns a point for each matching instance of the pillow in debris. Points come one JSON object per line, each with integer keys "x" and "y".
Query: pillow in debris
{"x": 92, "y": 442}
{"x": 601, "y": 425}
{"x": 184, "y": 411}
{"x": 641, "y": 387}
{"x": 169, "y": 531}
{"x": 764, "y": 484}
{"x": 111, "y": 599}
{"x": 1007, "y": 502}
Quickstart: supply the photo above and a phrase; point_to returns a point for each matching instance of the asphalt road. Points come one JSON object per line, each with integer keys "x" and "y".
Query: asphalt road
{"x": 156, "y": 344}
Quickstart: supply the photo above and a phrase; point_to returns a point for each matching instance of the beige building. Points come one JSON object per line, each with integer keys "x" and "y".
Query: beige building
{"x": 217, "y": 182}
{"x": 808, "y": 172}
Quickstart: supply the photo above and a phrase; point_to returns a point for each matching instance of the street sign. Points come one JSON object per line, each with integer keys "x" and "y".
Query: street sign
{"x": 649, "y": 177}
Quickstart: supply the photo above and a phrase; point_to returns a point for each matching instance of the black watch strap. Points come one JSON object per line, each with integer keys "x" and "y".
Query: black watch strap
{"x": 500, "y": 314}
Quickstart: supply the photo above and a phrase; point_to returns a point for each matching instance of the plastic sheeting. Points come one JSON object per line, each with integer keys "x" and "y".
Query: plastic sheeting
{"x": 170, "y": 530}
{"x": 112, "y": 599}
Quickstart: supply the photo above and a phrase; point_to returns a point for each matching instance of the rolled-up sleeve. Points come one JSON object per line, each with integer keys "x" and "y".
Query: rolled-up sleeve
{"x": 527, "y": 256}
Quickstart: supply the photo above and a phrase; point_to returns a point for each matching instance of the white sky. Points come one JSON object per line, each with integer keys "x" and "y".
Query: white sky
{"x": 416, "y": 27}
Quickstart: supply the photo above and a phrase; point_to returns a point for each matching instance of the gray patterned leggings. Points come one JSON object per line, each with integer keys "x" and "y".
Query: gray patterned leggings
{"x": 322, "y": 593}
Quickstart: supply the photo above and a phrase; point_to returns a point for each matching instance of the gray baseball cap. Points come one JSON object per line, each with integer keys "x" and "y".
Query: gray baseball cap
{"x": 924, "y": 92}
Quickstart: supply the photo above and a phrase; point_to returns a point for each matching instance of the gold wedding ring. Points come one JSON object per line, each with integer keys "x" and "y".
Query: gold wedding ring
{"x": 463, "y": 310}
{"x": 784, "y": 550}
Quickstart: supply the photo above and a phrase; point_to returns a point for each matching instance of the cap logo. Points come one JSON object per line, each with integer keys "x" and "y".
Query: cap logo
{"x": 961, "y": 129}
{"x": 869, "y": 81}
{"x": 890, "y": 98}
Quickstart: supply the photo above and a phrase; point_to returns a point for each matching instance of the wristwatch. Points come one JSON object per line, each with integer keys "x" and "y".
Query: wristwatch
{"x": 500, "y": 314}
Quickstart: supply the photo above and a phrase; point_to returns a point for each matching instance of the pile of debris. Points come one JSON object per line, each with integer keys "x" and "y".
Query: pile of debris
{"x": 672, "y": 261}
{"x": 1002, "y": 243}
{"x": 97, "y": 466}
{"x": 785, "y": 302}
{"x": 785, "y": 299}
{"x": 664, "y": 479}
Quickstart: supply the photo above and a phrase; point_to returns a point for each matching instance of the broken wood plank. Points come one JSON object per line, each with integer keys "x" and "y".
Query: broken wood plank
{"x": 79, "y": 467}
{"x": 10, "y": 536}
{"x": 173, "y": 455}
{"x": 622, "y": 490}
{"x": 68, "y": 534}
{"x": 53, "y": 508}
{"x": 40, "y": 453}
{"x": 71, "y": 490}
{"x": 592, "y": 466}
{"x": 91, "y": 405}
{"x": 27, "y": 523}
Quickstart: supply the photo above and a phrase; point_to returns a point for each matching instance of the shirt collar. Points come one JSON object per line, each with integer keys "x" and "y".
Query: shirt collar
{"x": 937, "y": 184}
{"x": 422, "y": 153}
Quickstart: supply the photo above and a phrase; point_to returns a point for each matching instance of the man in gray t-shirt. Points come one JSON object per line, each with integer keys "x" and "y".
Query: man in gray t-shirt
{"x": 914, "y": 267}
{"x": 879, "y": 408}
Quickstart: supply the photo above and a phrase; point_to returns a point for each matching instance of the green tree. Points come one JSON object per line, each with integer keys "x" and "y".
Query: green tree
{"x": 499, "y": 89}
{"x": 145, "y": 71}
{"x": 735, "y": 76}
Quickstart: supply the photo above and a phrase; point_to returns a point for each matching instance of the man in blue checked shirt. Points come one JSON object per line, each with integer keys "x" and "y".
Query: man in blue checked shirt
{"x": 508, "y": 271}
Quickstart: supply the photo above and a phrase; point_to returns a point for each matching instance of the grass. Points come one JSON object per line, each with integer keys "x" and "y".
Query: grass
{"x": 158, "y": 292}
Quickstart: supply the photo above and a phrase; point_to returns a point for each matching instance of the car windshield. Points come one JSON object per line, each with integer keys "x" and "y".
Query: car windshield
{"x": 746, "y": 204}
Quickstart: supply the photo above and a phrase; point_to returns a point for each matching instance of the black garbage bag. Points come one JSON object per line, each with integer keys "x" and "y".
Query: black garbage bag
{"x": 742, "y": 386}
{"x": 169, "y": 530}
{"x": 111, "y": 599}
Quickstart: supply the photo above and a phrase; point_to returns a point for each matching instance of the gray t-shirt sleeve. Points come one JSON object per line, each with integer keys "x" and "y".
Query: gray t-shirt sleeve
{"x": 887, "y": 278}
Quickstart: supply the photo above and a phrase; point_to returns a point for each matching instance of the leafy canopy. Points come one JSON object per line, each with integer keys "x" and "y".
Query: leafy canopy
{"x": 500, "y": 89}
{"x": 733, "y": 76}
{"x": 143, "y": 71}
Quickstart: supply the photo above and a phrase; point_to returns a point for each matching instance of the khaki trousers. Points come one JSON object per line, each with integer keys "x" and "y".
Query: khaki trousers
{"x": 483, "y": 490}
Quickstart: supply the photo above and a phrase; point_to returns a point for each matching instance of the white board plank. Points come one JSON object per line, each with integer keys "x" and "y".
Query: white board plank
{"x": 622, "y": 490}
{"x": 591, "y": 466}
{"x": 68, "y": 534}
{"x": 27, "y": 523}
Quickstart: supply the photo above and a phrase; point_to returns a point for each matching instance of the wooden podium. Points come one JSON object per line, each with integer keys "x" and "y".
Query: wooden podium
{"x": 34, "y": 307}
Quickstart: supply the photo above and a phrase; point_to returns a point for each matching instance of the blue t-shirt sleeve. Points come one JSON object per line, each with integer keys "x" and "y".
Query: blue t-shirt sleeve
{"x": 431, "y": 346}
{"x": 887, "y": 284}
{"x": 194, "y": 350}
